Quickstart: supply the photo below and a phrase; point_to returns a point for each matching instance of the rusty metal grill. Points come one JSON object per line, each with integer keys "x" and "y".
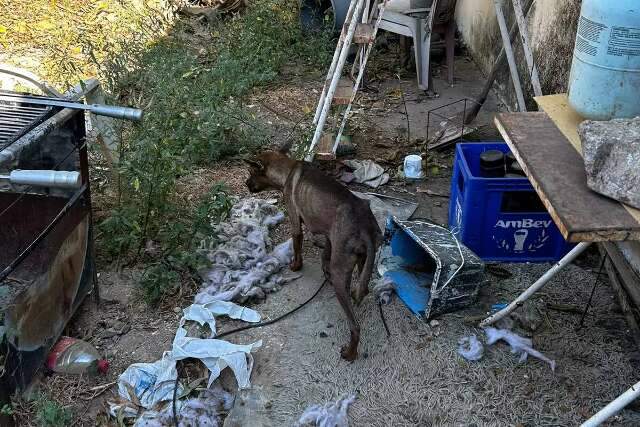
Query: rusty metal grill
{"x": 17, "y": 118}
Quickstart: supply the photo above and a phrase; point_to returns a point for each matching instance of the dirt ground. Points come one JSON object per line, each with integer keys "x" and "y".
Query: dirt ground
{"x": 414, "y": 377}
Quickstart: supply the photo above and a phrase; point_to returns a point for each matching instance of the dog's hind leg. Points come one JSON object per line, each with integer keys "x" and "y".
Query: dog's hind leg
{"x": 341, "y": 270}
{"x": 365, "y": 269}
{"x": 326, "y": 260}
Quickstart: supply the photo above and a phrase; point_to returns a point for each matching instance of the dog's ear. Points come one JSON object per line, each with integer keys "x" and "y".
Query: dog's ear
{"x": 254, "y": 164}
{"x": 284, "y": 148}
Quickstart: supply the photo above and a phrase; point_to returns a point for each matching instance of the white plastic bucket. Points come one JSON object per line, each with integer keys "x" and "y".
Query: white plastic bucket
{"x": 413, "y": 166}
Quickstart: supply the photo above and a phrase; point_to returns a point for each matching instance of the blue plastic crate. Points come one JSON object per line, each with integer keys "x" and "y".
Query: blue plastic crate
{"x": 500, "y": 219}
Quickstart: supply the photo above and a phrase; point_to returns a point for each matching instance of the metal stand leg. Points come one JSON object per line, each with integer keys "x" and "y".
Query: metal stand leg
{"x": 614, "y": 407}
{"x": 567, "y": 259}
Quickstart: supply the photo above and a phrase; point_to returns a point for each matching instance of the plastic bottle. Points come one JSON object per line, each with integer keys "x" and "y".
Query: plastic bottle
{"x": 74, "y": 356}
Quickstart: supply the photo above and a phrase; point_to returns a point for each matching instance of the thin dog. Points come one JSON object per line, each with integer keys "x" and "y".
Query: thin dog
{"x": 326, "y": 208}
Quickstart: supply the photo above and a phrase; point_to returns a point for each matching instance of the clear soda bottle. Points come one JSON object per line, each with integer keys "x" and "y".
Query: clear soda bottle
{"x": 74, "y": 356}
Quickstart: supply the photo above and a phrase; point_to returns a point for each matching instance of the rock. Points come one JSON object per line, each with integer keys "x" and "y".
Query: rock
{"x": 528, "y": 316}
{"x": 611, "y": 152}
{"x": 434, "y": 323}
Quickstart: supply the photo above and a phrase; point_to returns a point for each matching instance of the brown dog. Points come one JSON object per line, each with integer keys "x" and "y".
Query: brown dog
{"x": 326, "y": 208}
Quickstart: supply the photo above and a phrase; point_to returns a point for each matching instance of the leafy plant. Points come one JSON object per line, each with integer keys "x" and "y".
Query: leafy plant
{"x": 51, "y": 414}
{"x": 186, "y": 237}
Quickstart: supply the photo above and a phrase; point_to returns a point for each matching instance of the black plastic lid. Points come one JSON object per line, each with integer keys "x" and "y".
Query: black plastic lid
{"x": 491, "y": 159}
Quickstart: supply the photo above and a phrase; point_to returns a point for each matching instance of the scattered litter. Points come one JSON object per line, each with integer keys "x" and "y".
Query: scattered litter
{"x": 413, "y": 167}
{"x": 202, "y": 411}
{"x": 499, "y": 306}
{"x": 434, "y": 323}
{"x": 150, "y": 385}
{"x": 470, "y": 348}
{"x": 74, "y": 356}
{"x": 383, "y": 206}
{"x": 519, "y": 345}
{"x": 367, "y": 172}
{"x": 242, "y": 268}
{"x": 383, "y": 289}
{"x": 332, "y": 414}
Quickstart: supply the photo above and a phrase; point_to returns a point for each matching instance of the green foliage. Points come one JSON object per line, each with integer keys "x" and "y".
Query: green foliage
{"x": 185, "y": 238}
{"x": 51, "y": 414}
{"x": 191, "y": 78}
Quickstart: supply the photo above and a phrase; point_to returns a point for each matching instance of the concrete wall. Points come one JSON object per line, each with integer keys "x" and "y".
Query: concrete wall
{"x": 552, "y": 27}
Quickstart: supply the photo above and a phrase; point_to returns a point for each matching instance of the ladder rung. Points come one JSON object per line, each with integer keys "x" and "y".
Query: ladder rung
{"x": 343, "y": 93}
{"x": 325, "y": 147}
{"x": 363, "y": 34}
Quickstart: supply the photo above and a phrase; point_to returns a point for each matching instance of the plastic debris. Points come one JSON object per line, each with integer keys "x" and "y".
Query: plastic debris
{"x": 332, "y": 414}
{"x": 74, "y": 356}
{"x": 368, "y": 172}
{"x": 383, "y": 289}
{"x": 242, "y": 268}
{"x": 202, "y": 411}
{"x": 153, "y": 383}
{"x": 519, "y": 345}
{"x": 470, "y": 348}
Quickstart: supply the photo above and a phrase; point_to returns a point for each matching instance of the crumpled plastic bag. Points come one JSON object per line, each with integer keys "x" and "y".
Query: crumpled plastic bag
{"x": 470, "y": 348}
{"x": 519, "y": 345}
{"x": 368, "y": 172}
{"x": 153, "y": 383}
{"x": 332, "y": 414}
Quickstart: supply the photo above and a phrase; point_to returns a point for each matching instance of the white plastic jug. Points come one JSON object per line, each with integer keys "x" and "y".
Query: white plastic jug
{"x": 413, "y": 166}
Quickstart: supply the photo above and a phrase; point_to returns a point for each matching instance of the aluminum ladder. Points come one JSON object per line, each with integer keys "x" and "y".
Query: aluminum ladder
{"x": 357, "y": 28}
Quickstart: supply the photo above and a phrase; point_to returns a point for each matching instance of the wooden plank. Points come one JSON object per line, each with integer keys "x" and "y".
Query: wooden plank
{"x": 556, "y": 171}
{"x": 628, "y": 278}
{"x": 363, "y": 34}
{"x": 324, "y": 149}
{"x": 567, "y": 120}
{"x": 630, "y": 311}
{"x": 342, "y": 96}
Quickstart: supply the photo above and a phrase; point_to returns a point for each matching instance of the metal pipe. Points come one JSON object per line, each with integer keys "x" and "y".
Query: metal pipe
{"x": 506, "y": 41}
{"x": 567, "y": 259}
{"x": 44, "y": 178}
{"x": 614, "y": 407}
{"x": 125, "y": 113}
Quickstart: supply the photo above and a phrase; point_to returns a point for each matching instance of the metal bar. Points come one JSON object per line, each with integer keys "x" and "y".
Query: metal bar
{"x": 509, "y": 52}
{"x": 334, "y": 81}
{"x": 614, "y": 407}
{"x": 125, "y": 113}
{"x": 72, "y": 201}
{"x": 566, "y": 260}
{"x": 526, "y": 45}
{"x": 334, "y": 61}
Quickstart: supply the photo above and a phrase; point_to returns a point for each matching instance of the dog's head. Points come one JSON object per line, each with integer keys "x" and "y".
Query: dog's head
{"x": 258, "y": 178}
{"x": 264, "y": 173}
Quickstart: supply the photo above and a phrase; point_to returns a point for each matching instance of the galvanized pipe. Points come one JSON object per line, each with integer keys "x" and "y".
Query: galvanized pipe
{"x": 125, "y": 113}
{"x": 506, "y": 41}
{"x": 44, "y": 178}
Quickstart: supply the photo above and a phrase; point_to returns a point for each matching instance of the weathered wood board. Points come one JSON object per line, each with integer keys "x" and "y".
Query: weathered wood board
{"x": 567, "y": 120}
{"x": 556, "y": 171}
